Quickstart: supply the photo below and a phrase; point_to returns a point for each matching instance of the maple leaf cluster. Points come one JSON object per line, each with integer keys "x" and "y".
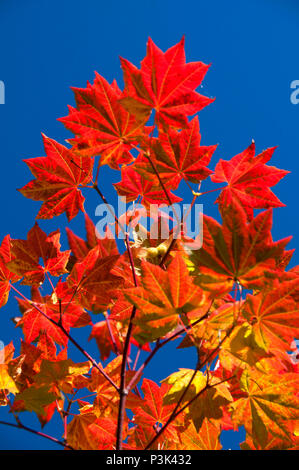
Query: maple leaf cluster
{"x": 232, "y": 299}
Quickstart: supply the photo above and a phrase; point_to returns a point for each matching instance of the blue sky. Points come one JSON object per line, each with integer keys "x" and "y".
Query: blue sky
{"x": 48, "y": 46}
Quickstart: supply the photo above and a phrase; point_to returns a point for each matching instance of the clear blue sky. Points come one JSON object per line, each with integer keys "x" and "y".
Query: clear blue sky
{"x": 48, "y": 46}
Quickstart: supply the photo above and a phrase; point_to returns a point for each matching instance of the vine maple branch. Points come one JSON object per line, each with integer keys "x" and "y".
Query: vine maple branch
{"x": 75, "y": 343}
{"x": 123, "y": 391}
{"x": 37, "y": 433}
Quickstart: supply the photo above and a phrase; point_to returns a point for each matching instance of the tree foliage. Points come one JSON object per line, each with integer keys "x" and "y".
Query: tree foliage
{"x": 230, "y": 298}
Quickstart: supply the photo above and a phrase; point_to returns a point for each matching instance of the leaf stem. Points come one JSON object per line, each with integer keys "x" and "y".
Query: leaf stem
{"x": 116, "y": 350}
{"x": 207, "y": 192}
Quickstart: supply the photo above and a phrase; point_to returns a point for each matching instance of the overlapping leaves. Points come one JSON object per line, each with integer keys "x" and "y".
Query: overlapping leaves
{"x": 233, "y": 299}
{"x": 237, "y": 251}
{"x": 163, "y": 297}
{"x": 102, "y": 125}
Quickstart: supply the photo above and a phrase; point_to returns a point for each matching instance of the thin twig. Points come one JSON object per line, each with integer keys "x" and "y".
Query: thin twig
{"x": 136, "y": 358}
{"x": 37, "y": 433}
{"x": 123, "y": 391}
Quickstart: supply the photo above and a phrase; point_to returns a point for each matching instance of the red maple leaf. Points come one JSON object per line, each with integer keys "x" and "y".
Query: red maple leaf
{"x": 102, "y": 125}
{"x": 237, "y": 251}
{"x": 165, "y": 83}
{"x": 103, "y": 431}
{"x": 163, "y": 296}
{"x": 58, "y": 307}
{"x": 176, "y": 156}
{"x": 151, "y": 414}
{"x": 249, "y": 179}
{"x": 274, "y": 316}
{"x": 110, "y": 337}
{"x": 58, "y": 178}
{"x": 133, "y": 185}
{"x": 80, "y": 248}
{"x": 38, "y": 246}
{"x": 93, "y": 282}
